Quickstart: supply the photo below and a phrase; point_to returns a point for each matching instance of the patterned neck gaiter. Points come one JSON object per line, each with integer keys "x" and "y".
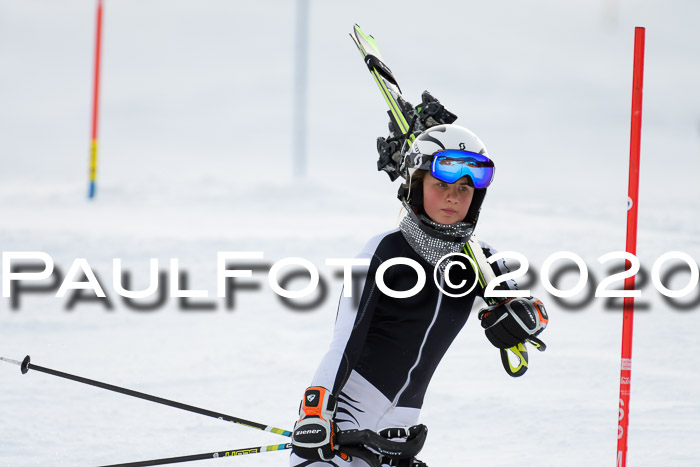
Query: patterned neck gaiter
{"x": 419, "y": 231}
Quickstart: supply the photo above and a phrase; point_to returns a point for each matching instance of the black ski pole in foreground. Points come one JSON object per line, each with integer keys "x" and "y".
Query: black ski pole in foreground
{"x": 352, "y": 442}
{"x": 208, "y": 455}
{"x": 25, "y": 366}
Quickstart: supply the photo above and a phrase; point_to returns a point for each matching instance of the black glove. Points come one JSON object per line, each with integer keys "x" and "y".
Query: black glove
{"x": 314, "y": 432}
{"x": 514, "y": 321}
{"x": 407, "y": 434}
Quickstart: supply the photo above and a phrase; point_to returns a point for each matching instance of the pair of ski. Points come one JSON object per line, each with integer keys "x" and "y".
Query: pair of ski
{"x": 404, "y": 119}
{"x": 356, "y": 443}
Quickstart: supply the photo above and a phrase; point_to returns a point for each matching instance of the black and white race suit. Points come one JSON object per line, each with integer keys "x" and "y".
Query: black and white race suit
{"x": 385, "y": 350}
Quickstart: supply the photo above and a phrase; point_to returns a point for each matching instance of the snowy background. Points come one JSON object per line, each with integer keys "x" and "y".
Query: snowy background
{"x": 195, "y": 158}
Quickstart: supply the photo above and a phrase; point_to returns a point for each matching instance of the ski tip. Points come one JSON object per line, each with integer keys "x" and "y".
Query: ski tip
{"x": 365, "y": 42}
{"x": 356, "y": 33}
{"x": 358, "y": 30}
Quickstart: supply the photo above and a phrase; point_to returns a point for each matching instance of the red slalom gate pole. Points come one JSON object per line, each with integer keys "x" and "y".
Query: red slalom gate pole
{"x": 95, "y": 102}
{"x": 632, "y": 205}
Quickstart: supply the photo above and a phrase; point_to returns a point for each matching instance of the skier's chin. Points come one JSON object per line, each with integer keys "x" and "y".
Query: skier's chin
{"x": 446, "y": 217}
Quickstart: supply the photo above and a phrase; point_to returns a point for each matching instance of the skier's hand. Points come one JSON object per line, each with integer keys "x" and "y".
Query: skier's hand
{"x": 314, "y": 432}
{"x": 514, "y": 321}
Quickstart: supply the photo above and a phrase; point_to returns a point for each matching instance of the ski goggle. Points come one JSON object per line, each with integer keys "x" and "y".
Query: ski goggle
{"x": 451, "y": 165}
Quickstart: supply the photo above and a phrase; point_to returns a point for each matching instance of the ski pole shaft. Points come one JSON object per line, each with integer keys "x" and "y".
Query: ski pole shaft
{"x": 353, "y": 442}
{"x": 25, "y": 366}
{"x": 206, "y": 455}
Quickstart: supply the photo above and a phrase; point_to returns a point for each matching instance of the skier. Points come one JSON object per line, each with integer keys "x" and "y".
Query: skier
{"x": 385, "y": 349}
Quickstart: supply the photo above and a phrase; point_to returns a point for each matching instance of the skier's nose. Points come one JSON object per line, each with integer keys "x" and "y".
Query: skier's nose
{"x": 452, "y": 196}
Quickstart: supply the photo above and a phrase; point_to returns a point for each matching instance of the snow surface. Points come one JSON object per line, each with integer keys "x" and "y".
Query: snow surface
{"x": 195, "y": 158}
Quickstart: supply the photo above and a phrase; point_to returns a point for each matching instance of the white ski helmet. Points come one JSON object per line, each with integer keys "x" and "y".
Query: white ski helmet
{"x": 470, "y": 160}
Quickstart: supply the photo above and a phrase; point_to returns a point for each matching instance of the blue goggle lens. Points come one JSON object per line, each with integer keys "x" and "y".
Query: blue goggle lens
{"x": 449, "y": 166}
